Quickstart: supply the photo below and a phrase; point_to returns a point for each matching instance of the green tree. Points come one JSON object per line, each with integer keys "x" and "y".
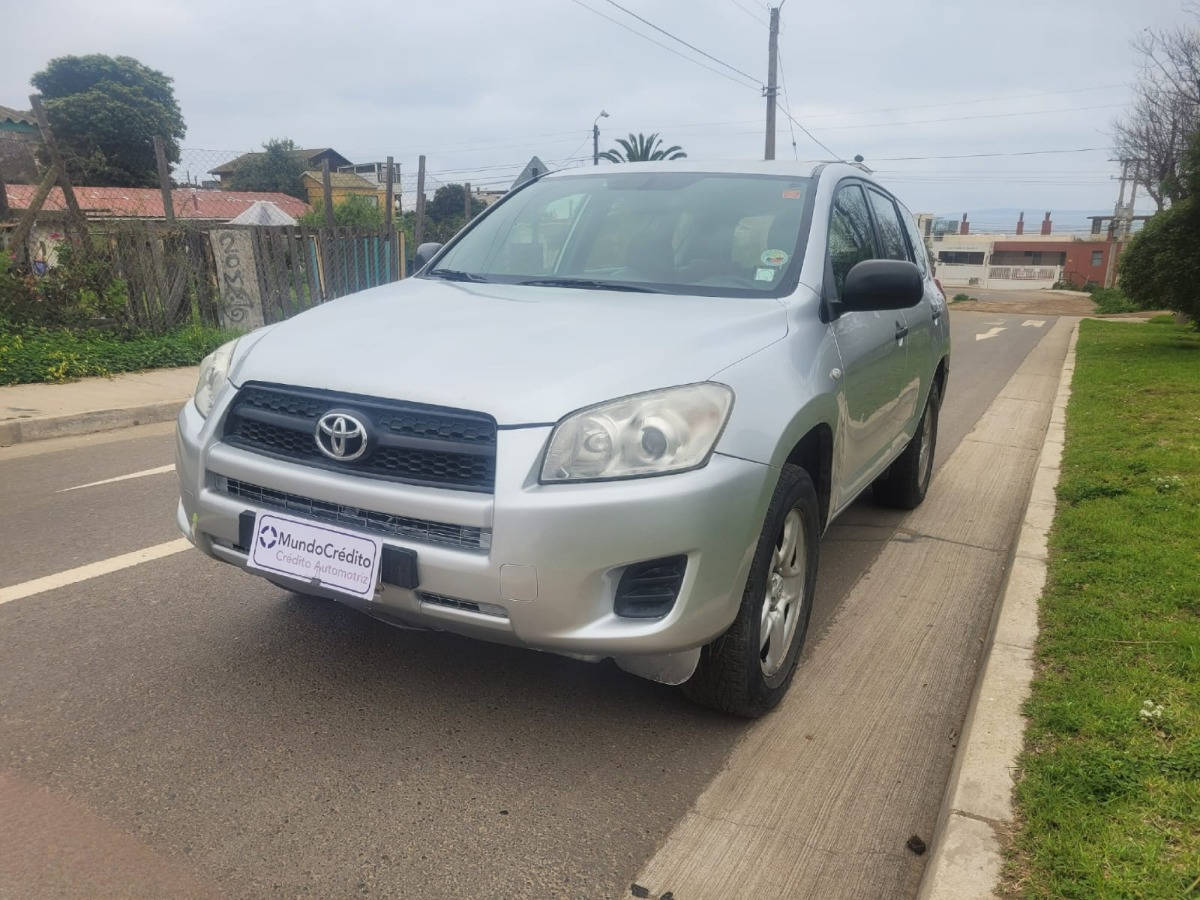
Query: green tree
{"x": 444, "y": 213}
{"x": 1158, "y": 269}
{"x": 448, "y": 203}
{"x": 640, "y": 148}
{"x": 354, "y": 210}
{"x": 276, "y": 169}
{"x": 105, "y": 112}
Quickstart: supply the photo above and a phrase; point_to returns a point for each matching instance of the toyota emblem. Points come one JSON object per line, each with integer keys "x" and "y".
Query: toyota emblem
{"x": 341, "y": 436}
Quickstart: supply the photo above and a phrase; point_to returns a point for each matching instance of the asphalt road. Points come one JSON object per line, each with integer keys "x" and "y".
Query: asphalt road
{"x": 177, "y": 728}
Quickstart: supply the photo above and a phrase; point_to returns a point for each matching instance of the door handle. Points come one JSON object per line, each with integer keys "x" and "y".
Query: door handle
{"x": 901, "y": 331}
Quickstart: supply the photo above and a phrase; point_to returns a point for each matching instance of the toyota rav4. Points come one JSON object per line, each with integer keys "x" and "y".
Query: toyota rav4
{"x": 610, "y": 419}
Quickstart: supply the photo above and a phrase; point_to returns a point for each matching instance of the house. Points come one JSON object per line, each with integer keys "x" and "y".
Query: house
{"x": 19, "y": 141}
{"x": 122, "y": 204}
{"x": 312, "y": 159}
{"x": 342, "y": 185}
{"x": 147, "y": 203}
{"x": 1020, "y": 261}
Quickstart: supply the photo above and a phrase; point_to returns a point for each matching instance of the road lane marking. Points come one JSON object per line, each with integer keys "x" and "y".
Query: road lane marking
{"x": 1034, "y": 323}
{"x": 161, "y": 470}
{"x": 92, "y": 570}
{"x": 990, "y": 333}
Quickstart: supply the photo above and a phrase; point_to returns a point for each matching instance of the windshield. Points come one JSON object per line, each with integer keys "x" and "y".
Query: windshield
{"x": 670, "y": 232}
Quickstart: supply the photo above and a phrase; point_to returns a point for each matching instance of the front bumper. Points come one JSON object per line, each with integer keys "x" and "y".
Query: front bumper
{"x": 545, "y": 570}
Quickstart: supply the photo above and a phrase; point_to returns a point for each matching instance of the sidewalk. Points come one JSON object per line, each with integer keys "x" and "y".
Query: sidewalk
{"x": 32, "y": 412}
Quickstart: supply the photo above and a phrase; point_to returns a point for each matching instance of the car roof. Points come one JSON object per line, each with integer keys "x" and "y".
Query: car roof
{"x": 785, "y": 168}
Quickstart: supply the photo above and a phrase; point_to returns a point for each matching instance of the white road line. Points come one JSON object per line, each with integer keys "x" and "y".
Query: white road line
{"x": 92, "y": 570}
{"x": 159, "y": 471}
{"x": 1033, "y": 323}
{"x": 990, "y": 333}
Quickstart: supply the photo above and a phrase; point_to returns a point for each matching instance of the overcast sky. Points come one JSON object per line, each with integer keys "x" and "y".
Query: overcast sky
{"x": 479, "y": 86}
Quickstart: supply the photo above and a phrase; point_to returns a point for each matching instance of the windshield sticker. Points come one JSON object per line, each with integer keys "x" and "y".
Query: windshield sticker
{"x": 793, "y": 195}
{"x": 774, "y": 258}
{"x": 764, "y": 275}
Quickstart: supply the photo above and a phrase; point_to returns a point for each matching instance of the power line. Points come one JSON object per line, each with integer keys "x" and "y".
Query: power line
{"x": 679, "y": 40}
{"x": 787, "y": 104}
{"x": 1026, "y": 112}
{"x": 647, "y": 37}
{"x": 983, "y": 155}
{"x": 748, "y": 12}
{"x": 867, "y": 112}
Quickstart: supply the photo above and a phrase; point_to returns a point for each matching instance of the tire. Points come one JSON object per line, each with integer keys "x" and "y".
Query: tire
{"x": 904, "y": 484}
{"x": 741, "y": 672}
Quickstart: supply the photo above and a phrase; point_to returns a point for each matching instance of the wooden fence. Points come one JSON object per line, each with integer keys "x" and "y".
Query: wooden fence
{"x": 241, "y": 276}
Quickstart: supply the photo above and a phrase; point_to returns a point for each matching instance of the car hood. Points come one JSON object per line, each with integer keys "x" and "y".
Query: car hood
{"x": 525, "y": 355}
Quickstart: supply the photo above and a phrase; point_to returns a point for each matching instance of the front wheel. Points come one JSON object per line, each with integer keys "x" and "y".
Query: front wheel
{"x": 747, "y": 670}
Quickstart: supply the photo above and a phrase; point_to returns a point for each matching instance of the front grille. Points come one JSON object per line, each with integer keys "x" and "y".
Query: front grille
{"x": 462, "y": 537}
{"x": 408, "y": 442}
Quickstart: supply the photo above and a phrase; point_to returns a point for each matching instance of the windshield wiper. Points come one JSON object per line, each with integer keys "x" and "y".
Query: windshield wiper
{"x": 455, "y": 275}
{"x": 589, "y": 284}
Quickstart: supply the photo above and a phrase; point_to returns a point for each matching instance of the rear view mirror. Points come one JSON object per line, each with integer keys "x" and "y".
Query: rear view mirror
{"x": 424, "y": 254}
{"x": 882, "y": 284}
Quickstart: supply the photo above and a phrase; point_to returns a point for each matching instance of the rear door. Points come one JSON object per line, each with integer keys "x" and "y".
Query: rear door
{"x": 912, "y": 324}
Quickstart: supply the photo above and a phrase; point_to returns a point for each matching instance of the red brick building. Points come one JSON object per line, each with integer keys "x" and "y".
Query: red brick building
{"x": 1081, "y": 261}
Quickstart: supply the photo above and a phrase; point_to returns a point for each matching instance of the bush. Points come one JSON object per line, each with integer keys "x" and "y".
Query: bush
{"x": 1159, "y": 267}
{"x": 354, "y": 210}
{"x": 962, "y": 298}
{"x": 1110, "y": 300}
{"x": 78, "y": 291}
{"x": 33, "y": 355}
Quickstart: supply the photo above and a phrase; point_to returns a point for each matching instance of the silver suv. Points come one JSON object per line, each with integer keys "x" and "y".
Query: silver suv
{"x": 611, "y": 418}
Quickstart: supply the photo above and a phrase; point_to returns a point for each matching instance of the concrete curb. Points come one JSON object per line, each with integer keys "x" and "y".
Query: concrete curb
{"x": 977, "y": 810}
{"x": 39, "y": 428}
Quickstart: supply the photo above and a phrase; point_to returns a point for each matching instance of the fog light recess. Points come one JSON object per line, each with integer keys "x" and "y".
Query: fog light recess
{"x": 648, "y": 590}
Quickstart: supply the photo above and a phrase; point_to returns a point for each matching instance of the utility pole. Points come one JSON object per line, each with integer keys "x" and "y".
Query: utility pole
{"x": 419, "y": 224}
{"x": 772, "y": 65}
{"x": 467, "y": 203}
{"x": 1119, "y": 223}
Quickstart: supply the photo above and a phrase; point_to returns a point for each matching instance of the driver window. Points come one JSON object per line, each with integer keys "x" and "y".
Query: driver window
{"x": 851, "y": 238}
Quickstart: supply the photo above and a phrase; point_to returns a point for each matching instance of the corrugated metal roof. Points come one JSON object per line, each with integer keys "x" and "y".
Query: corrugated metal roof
{"x": 8, "y": 114}
{"x": 306, "y": 155}
{"x": 344, "y": 180}
{"x": 147, "y": 203}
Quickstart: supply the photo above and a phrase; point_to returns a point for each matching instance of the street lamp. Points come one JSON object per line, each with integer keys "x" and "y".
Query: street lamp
{"x": 596, "y": 137}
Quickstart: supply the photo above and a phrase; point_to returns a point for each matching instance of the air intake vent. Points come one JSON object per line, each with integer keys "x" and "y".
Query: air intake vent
{"x": 648, "y": 590}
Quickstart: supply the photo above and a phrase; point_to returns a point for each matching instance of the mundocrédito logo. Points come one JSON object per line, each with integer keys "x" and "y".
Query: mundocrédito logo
{"x": 268, "y": 537}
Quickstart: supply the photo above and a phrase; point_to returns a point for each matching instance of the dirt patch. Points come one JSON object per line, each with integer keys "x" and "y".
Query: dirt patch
{"x": 1037, "y": 303}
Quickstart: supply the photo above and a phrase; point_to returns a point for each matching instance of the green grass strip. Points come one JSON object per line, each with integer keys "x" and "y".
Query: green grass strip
{"x": 1109, "y": 788}
{"x": 32, "y": 356}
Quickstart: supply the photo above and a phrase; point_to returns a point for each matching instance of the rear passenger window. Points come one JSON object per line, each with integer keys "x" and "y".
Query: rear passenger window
{"x": 891, "y": 232}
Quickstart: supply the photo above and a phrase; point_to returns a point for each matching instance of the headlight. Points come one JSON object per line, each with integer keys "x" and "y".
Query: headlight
{"x": 214, "y": 370}
{"x": 647, "y": 434}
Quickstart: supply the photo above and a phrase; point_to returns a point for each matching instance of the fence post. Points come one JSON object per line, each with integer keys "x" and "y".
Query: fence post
{"x": 387, "y": 197}
{"x": 19, "y": 239}
{"x": 419, "y": 225}
{"x": 164, "y": 180}
{"x": 56, "y": 160}
{"x": 5, "y": 212}
{"x": 327, "y": 185}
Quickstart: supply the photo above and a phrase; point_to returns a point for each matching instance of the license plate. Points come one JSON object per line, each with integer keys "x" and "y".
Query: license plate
{"x": 331, "y": 557}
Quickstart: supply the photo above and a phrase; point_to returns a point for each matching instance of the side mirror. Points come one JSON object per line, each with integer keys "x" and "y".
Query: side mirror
{"x": 882, "y": 284}
{"x": 424, "y": 254}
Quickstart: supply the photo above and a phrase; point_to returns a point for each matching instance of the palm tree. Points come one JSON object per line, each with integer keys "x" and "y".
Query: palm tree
{"x": 640, "y": 148}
